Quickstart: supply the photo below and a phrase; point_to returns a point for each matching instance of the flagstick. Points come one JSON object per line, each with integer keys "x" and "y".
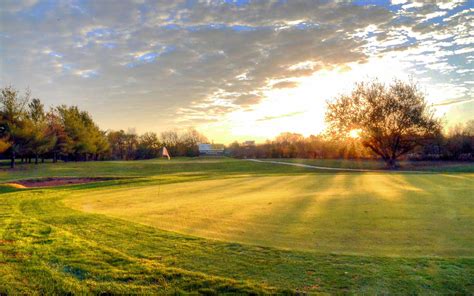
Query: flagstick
{"x": 159, "y": 180}
{"x": 164, "y": 152}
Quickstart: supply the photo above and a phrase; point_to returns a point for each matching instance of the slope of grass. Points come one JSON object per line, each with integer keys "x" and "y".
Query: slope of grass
{"x": 428, "y": 166}
{"x": 198, "y": 167}
{"x": 48, "y": 248}
{"x": 368, "y": 214}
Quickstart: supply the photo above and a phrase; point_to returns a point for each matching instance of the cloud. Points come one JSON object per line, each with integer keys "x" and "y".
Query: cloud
{"x": 267, "y": 118}
{"x": 285, "y": 84}
{"x": 162, "y": 63}
{"x": 454, "y": 101}
{"x": 88, "y": 73}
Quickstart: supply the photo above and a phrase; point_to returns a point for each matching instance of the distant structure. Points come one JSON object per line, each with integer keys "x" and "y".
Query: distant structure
{"x": 211, "y": 149}
{"x": 248, "y": 143}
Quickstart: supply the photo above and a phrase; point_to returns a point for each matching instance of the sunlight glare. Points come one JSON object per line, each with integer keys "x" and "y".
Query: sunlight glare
{"x": 300, "y": 109}
{"x": 355, "y": 133}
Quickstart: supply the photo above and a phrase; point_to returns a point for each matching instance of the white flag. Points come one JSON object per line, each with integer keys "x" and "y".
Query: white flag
{"x": 164, "y": 152}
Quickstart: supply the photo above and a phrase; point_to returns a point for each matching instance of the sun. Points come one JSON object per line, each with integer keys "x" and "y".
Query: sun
{"x": 355, "y": 133}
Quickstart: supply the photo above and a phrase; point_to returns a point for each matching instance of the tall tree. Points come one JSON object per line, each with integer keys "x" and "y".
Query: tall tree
{"x": 41, "y": 138}
{"x": 170, "y": 140}
{"x": 188, "y": 142}
{"x": 4, "y": 135}
{"x": 460, "y": 140}
{"x": 102, "y": 145}
{"x": 148, "y": 146}
{"x": 86, "y": 139}
{"x": 116, "y": 140}
{"x": 56, "y": 130}
{"x": 392, "y": 119}
{"x": 14, "y": 128}
{"x": 130, "y": 143}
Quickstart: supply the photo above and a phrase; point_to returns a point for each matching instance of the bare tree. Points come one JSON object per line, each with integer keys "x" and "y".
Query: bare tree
{"x": 391, "y": 119}
{"x": 170, "y": 140}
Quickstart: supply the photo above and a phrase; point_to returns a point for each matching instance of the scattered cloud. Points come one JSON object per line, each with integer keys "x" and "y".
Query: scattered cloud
{"x": 454, "y": 101}
{"x": 285, "y": 84}
{"x": 266, "y": 118}
{"x": 162, "y": 64}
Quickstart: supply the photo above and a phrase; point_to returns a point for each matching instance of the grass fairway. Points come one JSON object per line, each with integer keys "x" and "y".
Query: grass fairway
{"x": 223, "y": 225}
{"x": 366, "y": 214}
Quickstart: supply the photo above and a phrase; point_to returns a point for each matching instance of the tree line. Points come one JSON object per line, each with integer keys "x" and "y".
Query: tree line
{"x": 294, "y": 145}
{"x": 129, "y": 146}
{"x": 30, "y": 133}
{"x": 456, "y": 144}
{"x": 376, "y": 120}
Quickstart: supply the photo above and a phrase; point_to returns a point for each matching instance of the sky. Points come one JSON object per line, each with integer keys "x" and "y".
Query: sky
{"x": 236, "y": 69}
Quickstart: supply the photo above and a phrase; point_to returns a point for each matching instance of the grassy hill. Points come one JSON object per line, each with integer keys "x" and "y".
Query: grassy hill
{"x": 224, "y": 225}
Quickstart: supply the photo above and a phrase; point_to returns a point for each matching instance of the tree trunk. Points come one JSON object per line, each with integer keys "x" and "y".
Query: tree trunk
{"x": 55, "y": 157}
{"x": 36, "y": 158}
{"x": 42, "y": 159}
{"x": 391, "y": 163}
{"x": 12, "y": 162}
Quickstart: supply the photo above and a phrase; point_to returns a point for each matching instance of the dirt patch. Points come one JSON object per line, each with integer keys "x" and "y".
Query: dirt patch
{"x": 14, "y": 185}
{"x": 5, "y": 241}
{"x": 49, "y": 182}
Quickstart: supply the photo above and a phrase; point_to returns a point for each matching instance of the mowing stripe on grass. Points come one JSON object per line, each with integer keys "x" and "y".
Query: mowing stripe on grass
{"x": 331, "y": 168}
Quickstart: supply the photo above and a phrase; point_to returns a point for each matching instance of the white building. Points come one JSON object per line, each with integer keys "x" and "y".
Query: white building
{"x": 211, "y": 149}
{"x": 248, "y": 143}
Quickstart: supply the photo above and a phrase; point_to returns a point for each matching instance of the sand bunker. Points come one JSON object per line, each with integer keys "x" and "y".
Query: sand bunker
{"x": 55, "y": 181}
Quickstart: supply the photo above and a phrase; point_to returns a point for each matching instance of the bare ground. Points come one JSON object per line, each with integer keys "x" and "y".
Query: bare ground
{"x": 55, "y": 181}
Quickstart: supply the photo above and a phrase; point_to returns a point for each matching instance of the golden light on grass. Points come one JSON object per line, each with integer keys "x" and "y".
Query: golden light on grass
{"x": 14, "y": 185}
{"x": 293, "y": 211}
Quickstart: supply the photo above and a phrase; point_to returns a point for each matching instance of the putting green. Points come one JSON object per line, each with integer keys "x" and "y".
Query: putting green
{"x": 351, "y": 213}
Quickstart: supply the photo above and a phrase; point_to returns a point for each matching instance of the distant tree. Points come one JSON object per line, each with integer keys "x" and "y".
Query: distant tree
{"x": 102, "y": 145}
{"x": 117, "y": 144}
{"x": 42, "y": 140}
{"x": 4, "y": 135}
{"x": 392, "y": 119}
{"x": 4, "y": 145}
{"x": 290, "y": 145}
{"x": 56, "y": 130}
{"x": 188, "y": 142}
{"x": 469, "y": 128}
{"x": 460, "y": 141}
{"x": 130, "y": 143}
{"x": 15, "y": 132}
{"x": 170, "y": 140}
{"x": 235, "y": 149}
{"x": 74, "y": 127}
{"x": 86, "y": 139}
{"x": 148, "y": 146}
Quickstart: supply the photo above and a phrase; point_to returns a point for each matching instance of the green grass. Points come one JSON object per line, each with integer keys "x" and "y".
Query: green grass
{"x": 203, "y": 168}
{"x": 366, "y": 214}
{"x": 428, "y": 166}
{"x": 238, "y": 227}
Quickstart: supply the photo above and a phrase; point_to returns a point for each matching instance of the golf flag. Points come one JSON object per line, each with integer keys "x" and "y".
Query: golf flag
{"x": 164, "y": 152}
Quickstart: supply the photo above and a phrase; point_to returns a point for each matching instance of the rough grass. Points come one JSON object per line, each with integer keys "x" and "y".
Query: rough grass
{"x": 48, "y": 248}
